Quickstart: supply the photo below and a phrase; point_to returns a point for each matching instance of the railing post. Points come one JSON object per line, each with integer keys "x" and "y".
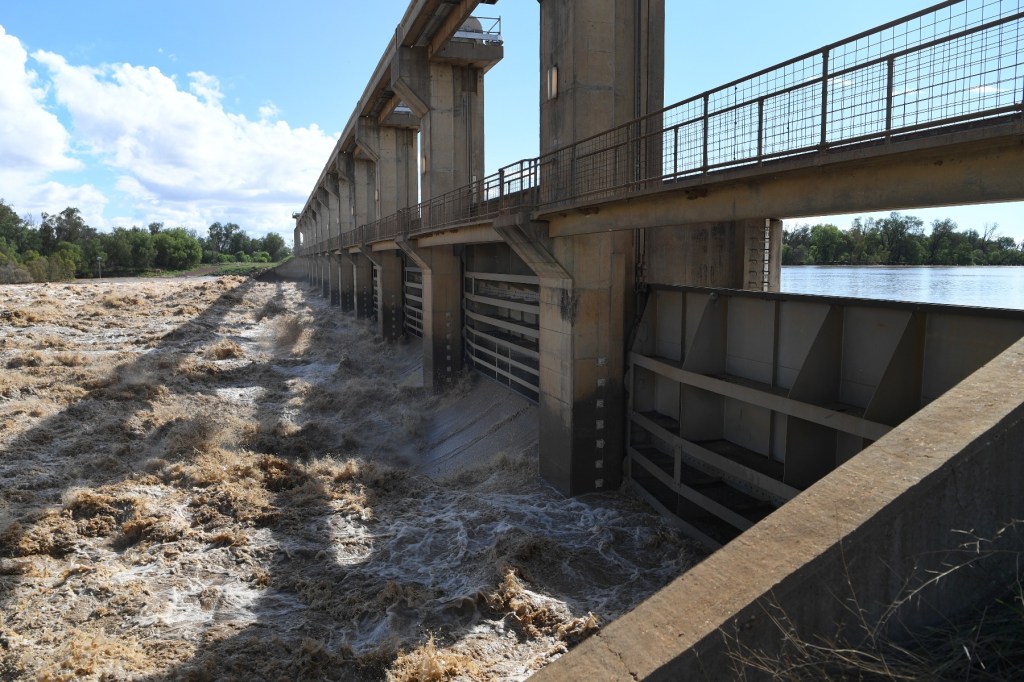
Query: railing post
{"x": 707, "y": 125}
{"x": 760, "y": 129}
{"x": 823, "y": 138}
{"x": 890, "y": 67}
{"x": 675, "y": 151}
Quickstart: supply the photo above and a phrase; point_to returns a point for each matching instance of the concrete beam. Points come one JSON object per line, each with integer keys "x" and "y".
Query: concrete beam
{"x": 938, "y": 171}
{"x": 419, "y": 27}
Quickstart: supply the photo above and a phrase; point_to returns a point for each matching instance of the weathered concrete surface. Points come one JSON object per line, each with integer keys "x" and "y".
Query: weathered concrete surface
{"x": 602, "y": 63}
{"x": 442, "y": 312}
{"x": 294, "y": 269}
{"x": 713, "y": 255}
{"x": 964, "y": 167}
{"x": 957, "y": 465}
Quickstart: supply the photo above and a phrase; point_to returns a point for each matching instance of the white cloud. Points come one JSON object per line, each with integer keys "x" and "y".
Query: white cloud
{"x": 206, "y": 87}
{"x": 177, "y": 155}
{"x": 33, "y": 142}
{"x": 33, "y": 139}
{"x": 180, "y": 153}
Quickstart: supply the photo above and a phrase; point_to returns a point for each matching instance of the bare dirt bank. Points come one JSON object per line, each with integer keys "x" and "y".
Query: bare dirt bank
{"x": 224, "y": 479}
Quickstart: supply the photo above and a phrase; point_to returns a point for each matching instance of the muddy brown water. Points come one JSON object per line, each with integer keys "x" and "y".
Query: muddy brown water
{"x": 226, "y": 479}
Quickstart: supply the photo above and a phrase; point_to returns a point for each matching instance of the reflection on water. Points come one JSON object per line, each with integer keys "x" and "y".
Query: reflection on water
{"x": 989, "y": 286}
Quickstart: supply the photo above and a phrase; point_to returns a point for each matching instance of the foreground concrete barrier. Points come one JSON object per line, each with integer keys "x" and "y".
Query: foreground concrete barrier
{"x": 847, "y": 549}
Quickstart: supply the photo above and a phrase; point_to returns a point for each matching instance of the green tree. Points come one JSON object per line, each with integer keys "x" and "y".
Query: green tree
{"x": 943, "y": 243}
{"x": 827, "y": 245}
{"x": 17, "y": 232}
{"x": 902, "y": 238}
{"x": 274, "y": 244}
{"x": 143, "y": 251}
{"x": 796, "y": 246}
{"x": 118, "y": 247}
{"x": 66, "y": 226}
{"x": 177, "y": 249}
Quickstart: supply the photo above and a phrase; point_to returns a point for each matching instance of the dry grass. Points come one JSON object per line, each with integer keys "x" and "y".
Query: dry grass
{"x": 986, "y": 643}
{"x": 70, "y": 359}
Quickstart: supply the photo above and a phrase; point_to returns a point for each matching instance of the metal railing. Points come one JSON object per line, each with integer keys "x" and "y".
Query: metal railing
{"x": 488, "y": 31}
{"x": 952, "y": 64}
{"x": 947, "y": 65}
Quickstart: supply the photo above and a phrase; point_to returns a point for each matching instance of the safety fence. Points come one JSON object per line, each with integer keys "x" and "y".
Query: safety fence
{"x": 955, "y": 64}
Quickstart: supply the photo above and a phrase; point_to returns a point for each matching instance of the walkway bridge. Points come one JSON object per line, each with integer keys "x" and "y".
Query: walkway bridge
{"x": 942, "y": 82}
{"x": 627, "y": 278}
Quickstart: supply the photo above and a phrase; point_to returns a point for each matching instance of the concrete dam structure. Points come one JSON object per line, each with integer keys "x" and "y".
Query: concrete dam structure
{"x": 627, "y": 281}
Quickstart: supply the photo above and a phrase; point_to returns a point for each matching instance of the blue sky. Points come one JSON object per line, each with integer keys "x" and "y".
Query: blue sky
{"x": 192, "y": 112}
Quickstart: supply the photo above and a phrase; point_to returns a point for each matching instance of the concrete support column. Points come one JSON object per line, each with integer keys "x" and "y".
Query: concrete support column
{"x": 393, "y": 153}
{"x": 364, "y": 185}
{"x": 333, "y": 280}
{"x": 602, "y": 64}
{"x": 448, "y": 97}
{"x": 390, "y": 274}
{"x": 334, "y": 273}
{"x": 362, "y": 273}
{"x": 741, "y": 254}
{"x": 318, "y": 226}
{"x": 585, "y": 304}
{"x": 307, "y": 243}
{"x": 346, "y": 282}
{"x": 442, "y": 312}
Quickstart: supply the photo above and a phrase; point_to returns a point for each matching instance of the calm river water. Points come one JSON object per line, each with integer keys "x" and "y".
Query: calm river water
{"x": 990, "y": 286}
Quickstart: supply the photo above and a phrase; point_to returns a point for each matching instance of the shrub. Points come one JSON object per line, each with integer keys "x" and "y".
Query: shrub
{"x": 14, "y": 274}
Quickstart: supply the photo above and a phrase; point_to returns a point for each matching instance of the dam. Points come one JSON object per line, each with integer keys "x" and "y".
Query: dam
{"x": 627, "y": 282}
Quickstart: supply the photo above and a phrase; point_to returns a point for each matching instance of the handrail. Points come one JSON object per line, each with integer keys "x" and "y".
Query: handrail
{"x": 953, "y": 63}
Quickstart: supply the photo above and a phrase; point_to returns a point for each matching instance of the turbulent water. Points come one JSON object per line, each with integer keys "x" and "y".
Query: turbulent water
{"x": 215, "y": 479}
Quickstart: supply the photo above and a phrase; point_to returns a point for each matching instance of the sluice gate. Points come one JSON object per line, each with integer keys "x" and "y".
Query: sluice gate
{"x": 412, "y": 300}
{"x": 740, "y": 400}
{"x": 501, "y": 317}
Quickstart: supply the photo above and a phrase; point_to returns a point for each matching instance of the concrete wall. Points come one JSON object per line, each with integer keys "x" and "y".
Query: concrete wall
{"x": 609, "y": 59}
{"x": 295, "y": 269}
{"x": 857, "y": 538}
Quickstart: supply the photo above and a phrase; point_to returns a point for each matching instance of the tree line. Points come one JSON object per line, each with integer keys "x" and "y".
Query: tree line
{"x": 898, "y": 240}
{"x": 62, "y": 246}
